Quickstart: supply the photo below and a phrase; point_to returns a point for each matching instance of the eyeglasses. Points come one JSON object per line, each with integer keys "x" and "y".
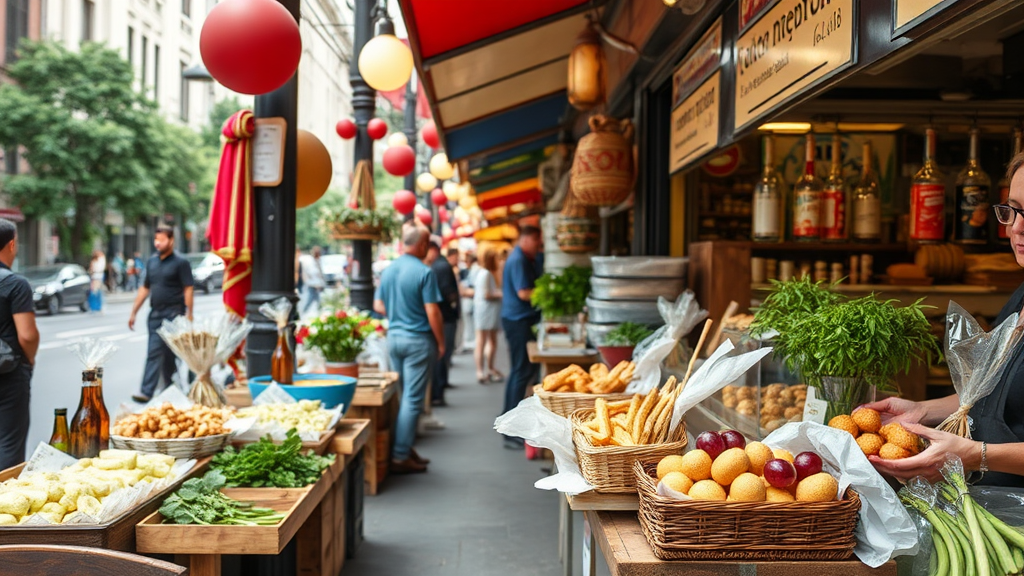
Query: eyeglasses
{"x": 1007, "y": 214}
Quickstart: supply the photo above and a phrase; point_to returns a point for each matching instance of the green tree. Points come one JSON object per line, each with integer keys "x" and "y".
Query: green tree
{"x": 92, "y": 141}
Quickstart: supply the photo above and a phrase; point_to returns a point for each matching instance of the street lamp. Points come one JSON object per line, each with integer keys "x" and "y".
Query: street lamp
{"x": 197, "y": 73}
{"x": 385, "y": 62}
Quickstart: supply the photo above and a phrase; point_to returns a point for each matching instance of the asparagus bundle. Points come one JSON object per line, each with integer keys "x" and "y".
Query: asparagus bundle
{"x": 968, "y": 539}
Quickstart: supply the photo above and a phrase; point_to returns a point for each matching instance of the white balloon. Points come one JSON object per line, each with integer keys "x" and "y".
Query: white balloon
{"x": 426, "y": 182}
{"x": 397, "y": 139}
{"x": 440, "y": 167}
{"x": 385, "y": 63}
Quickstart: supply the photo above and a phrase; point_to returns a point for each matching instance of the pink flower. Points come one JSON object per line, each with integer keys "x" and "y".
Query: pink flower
{"x": 301, "y": 334}
{"x": 380, "y": 328}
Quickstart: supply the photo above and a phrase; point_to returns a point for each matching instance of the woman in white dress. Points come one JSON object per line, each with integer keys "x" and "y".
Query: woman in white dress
{"x": 487, "y": 317}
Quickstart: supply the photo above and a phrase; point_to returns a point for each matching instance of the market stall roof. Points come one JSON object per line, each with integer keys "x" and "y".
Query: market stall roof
{"x": 495, "y": 77}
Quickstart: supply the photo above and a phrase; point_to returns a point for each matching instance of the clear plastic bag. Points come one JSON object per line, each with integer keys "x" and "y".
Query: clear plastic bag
{"x": 279, "y": 311}
{"x": 680, "y": 318}
{"x": 92, "y": 353}
{"x": 202, "y": 344}
{"x": 976, "y": 360}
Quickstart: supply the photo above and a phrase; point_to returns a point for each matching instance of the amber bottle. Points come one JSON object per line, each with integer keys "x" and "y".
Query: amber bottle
{"x": 104, "y": 415}
{"x": 85, "y": 426}
{"x": 60, "y": 437}
{"x": 282, "y": 363}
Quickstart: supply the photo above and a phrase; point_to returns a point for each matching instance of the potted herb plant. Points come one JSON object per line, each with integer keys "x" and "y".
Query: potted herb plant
{"x": 339, "y": 337}
{"x": 619, "y": 342}
{"x": 560, "y": 298}
{"x": 363, "y": 224}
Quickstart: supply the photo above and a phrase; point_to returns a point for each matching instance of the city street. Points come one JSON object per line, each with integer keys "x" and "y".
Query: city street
{"x": 56, "y": 382}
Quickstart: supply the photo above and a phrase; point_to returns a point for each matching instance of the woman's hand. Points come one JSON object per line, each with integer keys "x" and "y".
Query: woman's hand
{"x": 898, "y": 410}
{"x": 929, "y": 462}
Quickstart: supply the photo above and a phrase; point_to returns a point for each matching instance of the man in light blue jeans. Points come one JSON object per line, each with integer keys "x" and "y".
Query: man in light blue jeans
{"x": 408, "y": 295}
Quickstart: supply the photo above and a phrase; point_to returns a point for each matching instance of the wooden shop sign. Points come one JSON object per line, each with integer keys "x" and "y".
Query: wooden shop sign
{"x": 695, "y": 124}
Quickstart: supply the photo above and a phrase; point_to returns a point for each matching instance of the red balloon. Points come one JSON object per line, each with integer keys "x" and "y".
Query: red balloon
{"x": 448, "y": 237}
{"x": 346, "y": 129}
{"x": 250, "y": 46}
{"x": 438, "y": 197}
{"x": 442, "y": 214}
{"x": 404, "y": 202}
{"x": 429, "y": 133}
{"x": 425, "y": 217}
{"x": 399, "y": 160}
{"x": 377, "y": 128}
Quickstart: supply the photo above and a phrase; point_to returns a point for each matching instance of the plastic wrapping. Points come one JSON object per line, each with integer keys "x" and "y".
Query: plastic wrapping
{"x": 201, "y": 344}
{"x": 279, "y": 311}
{"x": 276, "y": 395}
{"x": 680, "y": 318}
{"x": 976, "y": 361}
{"x": 714, "y": 374}
{"x": 92, "y": 353}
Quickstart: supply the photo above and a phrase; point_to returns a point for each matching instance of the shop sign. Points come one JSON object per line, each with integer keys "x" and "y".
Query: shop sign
{"x": 797, "y": 44}
{"x": 703, "y": 59}
{"x": 268, "y": 151}
{"x": 908, "y": 13}
{"x": 695, "y": 124}
{"x": 750, "y": 9}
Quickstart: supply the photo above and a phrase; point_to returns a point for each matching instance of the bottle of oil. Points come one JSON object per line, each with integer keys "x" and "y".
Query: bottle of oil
{"x": 282, "y": 363}
{"x": 104, "y": 415}
{"x": 86, "y": 425}
{"x": 60, "y": 437}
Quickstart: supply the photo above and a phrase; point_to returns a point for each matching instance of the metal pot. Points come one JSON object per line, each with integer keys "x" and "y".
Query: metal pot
{"x": 639, "y": 266}
{"x": 631, "y": 289}
{"x": 619, "y": 311}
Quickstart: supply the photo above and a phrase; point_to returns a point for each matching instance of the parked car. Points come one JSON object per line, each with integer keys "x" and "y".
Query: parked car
{"x": 333, "y": 267}
{"x": 59, "y": 285}
{"x": 207, "y": 271}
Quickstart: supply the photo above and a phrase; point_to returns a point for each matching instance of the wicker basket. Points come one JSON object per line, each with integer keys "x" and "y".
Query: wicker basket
{"x": 178, "y": 448}
{"x": 565, "y": 403}
{"x": 702, "y": 530}
{"x": 353, "y": 231}
{"x": 609, "y": 469}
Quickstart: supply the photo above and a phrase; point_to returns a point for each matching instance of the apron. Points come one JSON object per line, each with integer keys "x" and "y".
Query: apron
{"x": 990, "y": 414}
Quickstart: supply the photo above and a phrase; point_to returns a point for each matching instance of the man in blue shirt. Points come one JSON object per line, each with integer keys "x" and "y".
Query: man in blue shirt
{"x": 518, "y": 317}
{"x": 408, "y": 295}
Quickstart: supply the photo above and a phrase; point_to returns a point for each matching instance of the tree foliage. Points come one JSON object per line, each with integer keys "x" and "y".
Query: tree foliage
{"x": 93, "y": 143}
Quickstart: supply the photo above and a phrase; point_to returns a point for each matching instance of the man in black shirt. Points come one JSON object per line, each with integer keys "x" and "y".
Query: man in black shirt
{"x": 18, "y": 330}
{"x": 168, "y": 282}
{"x": 449, "y": 286}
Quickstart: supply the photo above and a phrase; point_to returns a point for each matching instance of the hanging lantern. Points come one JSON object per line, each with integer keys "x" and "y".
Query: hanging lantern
{"x": 451, "y": 190}
{"x": 398, "y": 139}
{"x": 404, "y": 202}
{"x": 429, "y": 135}
{"x": 440, "y": 167}
{"x": 385, "y": 62}
{"x": 587, "y": 68}
{"x": 399, "y": 160}
{"x": 426, "y": 182}
{"x": 346, "y": 129}
{"x": 313, "y": 168}
{"x": 376, "y": 128}
{"x": 438, "y": 197}
{"x": 250, "y": 46}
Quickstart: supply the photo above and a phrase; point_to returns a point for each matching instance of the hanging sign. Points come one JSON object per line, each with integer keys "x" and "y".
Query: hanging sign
{"x": 695, "y": 124}
{"x": 908, "y": 13}
{"x": 268, "y": 151}
{"x": 703, "y": 59}
{"x": 792, "y": 47}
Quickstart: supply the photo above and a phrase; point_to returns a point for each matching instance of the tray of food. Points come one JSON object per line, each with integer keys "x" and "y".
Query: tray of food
{"x": 573, "y": 388}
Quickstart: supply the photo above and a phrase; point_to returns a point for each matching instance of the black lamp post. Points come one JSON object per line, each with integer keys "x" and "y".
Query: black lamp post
{"x": 364, "y": 105}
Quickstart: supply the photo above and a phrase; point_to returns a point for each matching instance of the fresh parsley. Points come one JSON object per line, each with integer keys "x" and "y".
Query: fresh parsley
{"x": 265, "y": 463}
{"x": 627, "y": 334}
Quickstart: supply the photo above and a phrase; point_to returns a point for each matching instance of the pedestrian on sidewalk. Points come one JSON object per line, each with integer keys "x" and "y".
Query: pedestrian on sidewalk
{"x": 448, "y": 284}
{"x": 466, "y": 277}
{"x": 518, "y": 317}
{"x": 408, "y": 295}
{"x": 487, "y": 318}
{"x": 97, "y": 272}
{"x": 19, "y": 341}
{"x": 169, "y": 281}
{"x": 312, "y": 279}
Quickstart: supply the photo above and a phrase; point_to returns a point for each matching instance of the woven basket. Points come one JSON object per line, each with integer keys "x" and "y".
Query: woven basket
{"x": 703, "y": 530}
{"x": 353, "y": 231}
{"x": 178, "y": 448}
{"x": 609, "y": 469}
{"x": 565, "y": 403}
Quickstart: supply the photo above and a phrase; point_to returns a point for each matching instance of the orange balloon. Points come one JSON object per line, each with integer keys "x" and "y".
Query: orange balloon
{"x": 314, "y": 169}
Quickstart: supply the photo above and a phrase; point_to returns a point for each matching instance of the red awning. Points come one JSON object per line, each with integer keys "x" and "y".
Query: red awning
{"x": 12, "y": 214}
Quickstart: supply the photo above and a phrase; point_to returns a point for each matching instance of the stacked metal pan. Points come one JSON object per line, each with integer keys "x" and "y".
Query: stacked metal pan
{"x": 626, "y": 289}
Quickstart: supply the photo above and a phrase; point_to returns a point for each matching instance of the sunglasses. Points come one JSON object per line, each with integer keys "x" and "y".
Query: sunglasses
{"x": 1006, "y": 214}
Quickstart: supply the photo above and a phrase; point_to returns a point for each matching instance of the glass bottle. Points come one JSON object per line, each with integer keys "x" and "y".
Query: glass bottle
{"x": 1004, "y": 184}
{"x": 101, "y": 405}
{"x": 282, "y": 363}
{"x": 85, "y": 426}
{"x": 928, "y": 197}
{"x": 768, "y": 198}
{"x": 60, "y": 438}
{"x": 807, "y": 199}
{"x": 971, "y": 208}
{"x": 833, "y": 197}
{"x": 867, "y": 202}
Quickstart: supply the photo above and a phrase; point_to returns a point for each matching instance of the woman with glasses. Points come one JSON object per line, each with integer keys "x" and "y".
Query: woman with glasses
{"x": 993, "y": 454}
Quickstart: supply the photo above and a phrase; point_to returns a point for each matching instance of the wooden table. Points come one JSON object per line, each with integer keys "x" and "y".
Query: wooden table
{"x": 376, "y": 400}
{"x": 628, "y": 554}
{"x": 586, "y": 502}
{"x": 554, "y": 360}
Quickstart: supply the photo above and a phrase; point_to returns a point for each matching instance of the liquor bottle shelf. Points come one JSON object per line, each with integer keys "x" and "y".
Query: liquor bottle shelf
{"x": 851, "y": 247}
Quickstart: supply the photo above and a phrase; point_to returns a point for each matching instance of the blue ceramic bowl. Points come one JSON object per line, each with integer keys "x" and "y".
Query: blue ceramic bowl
{"x": 329, "y": 396}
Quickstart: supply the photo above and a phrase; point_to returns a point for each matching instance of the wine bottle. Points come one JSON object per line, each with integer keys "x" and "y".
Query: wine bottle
{"x": 833, "y": 197}
{"x": 1004, "y": 184}
{"x": 928, "y": 197}
{"x": 85, "y": 426}
{"x": 60, "y": 438}
{"x": 282, "y": 363}
{"x": 971, "y": 208}
{"x": 768, "y": 202}
{"x": 104, "y": 414}
{"x": 807, "y": 199}
{"x": 867, "y": 202}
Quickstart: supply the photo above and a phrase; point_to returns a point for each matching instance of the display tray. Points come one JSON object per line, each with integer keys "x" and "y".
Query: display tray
{"x": 117, "y": 534}
{"x": 154, "y": 537}
{"x": 319, "y": 447}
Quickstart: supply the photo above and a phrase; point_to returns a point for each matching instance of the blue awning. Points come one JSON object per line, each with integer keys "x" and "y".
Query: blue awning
{"x": 480, "y": 162}
{"x": 529, "y": 122}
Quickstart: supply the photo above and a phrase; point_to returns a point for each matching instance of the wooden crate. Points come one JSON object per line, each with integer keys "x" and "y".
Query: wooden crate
{"x": 117, "y": 534}
{"x": 350, "y": 436}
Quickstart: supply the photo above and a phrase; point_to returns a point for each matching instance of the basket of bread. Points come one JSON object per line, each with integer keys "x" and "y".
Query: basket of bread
{"x": 573, "y": 388}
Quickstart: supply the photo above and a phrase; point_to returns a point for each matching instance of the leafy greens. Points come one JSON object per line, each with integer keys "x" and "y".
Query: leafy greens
{"x": 200, "y": 501}
{"x": 265, "y": 464}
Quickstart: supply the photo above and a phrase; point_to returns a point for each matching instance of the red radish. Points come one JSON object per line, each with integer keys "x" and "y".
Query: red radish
{"x": 734, "y": 439}
{"x": 780, "y": 473}
{"x": 712, "y": 443}
{"x": 807, "y": 464}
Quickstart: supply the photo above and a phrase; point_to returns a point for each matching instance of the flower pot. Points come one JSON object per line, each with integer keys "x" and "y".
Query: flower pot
{"x": 614, "y": 354}
{"x": 342, "y": 368}
{"x": 842, "y": 394}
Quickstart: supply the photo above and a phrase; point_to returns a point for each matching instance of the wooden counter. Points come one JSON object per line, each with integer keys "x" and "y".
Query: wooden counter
{"x": 555, "y": 360}
{"x": 376, "y": 400}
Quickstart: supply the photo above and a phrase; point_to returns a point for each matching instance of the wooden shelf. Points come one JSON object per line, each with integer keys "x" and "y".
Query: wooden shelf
{"x": 722, "y": 215}
{"x": 825, "y": 247}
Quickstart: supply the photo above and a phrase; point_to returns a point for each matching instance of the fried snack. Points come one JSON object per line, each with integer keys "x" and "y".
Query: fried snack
{"x": 598, "y": 371}
{"x": 643, "y": 414}
{"x": 168, "y": 422}
{"x": 598, "y": 380}
{"x": 643, "y": 419}
{"x": 604, "y": 424}
{"x": 554, "y": 381}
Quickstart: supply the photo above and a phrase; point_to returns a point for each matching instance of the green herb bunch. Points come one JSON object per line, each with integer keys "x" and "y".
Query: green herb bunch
{"x": 627, "y": 334}
{"x": 786, "y": 305}
{"x": 264, "y": 464}
{"x": 200, "y": 501}
{"x": 562, "y": 294}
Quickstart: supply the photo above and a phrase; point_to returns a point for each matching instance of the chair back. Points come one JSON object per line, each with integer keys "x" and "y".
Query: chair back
{"x": 45, "y": 560}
